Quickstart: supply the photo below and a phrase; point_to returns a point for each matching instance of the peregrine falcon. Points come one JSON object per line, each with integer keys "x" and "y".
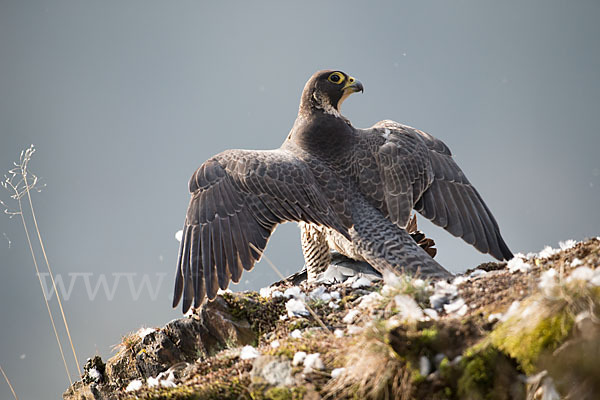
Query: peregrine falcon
{"x": 351, "y": 189}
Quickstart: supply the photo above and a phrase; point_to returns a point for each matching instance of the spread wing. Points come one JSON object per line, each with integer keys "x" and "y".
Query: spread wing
{"x": 418, "y": 171}
{"x": 238, "y": 197}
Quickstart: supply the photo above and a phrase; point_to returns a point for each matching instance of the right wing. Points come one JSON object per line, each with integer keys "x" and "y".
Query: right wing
{"x": 238, "y": 197}
{"x": 417, "y": 171}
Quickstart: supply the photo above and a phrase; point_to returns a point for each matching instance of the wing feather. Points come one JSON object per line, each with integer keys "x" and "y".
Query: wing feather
{"x": 417, "y": 168}
{"x": 238, "y": 197}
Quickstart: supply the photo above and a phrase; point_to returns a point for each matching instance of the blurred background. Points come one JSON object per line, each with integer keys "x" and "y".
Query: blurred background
{"x": 124, "y": 100}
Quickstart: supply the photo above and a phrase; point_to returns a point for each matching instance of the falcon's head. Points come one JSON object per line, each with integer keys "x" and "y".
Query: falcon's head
{"x": 328, "y": 89}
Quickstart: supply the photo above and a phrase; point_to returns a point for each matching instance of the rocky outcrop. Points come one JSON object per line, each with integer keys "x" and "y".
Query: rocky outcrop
{"x": 527, "y": 329}
{"x": 150, "y": 351}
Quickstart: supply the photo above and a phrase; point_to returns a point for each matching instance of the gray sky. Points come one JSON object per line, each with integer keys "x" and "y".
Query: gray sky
{"x": 124, "y": 99}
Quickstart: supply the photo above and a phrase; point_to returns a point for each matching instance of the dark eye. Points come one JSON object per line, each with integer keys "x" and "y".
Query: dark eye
{"x": 336, "y": 77}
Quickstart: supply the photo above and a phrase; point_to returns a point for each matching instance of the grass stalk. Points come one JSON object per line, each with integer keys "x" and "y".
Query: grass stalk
{"x": 22, "y": 187}
{"x": 60, "y": 306}
{"x": 9, "y": 385}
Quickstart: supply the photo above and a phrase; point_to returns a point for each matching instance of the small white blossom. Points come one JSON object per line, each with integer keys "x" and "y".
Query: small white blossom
{"x": 567, "y": 244}
{"x": 296, "y": 334}
{"x": 337, "y": 372}
{"x": 248, "y": 353}
{"x": 408, "y": 309}
{"x": 516, "y": 264}
{"x": 547, "y": 251}
{"x": 370, "y": 300}
{"x": 351, "y": 316}
{"x": 431, "y": 313}
{"x": 294, "y": 292}
{"x": 460, "y": 279}
{"x": 477, "y": 273}
{"x": 354, "y": 329}
{"x": 547, "y": 281}
{"x": 576, "y": 262}
{"x": 512, "y": 310}
{"x": 134, "y": 385}
{"x": 143, "y": 332}
{"x": 581, "y": 273}
{"x": 265, "y": 292}
{"x": 361, "y": 282}
{"x": 94, "y": 374}
{"x": 494, "y": 317}
{"x": 313, "y": 362}
{"x": 296, "y": 308}
{"x": 458, "y": 306}
{"x": 298, "y": 358}
{"x": 320, "y": 293}
{"x": 596, "y": 278}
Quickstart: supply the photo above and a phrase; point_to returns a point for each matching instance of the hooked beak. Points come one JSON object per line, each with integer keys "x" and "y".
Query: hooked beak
{"x": 352, "y": 86}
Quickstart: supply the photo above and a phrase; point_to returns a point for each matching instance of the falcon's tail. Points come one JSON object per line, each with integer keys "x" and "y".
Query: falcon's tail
{"x": 426, "y": 243}
{"x": 385, "y": 246}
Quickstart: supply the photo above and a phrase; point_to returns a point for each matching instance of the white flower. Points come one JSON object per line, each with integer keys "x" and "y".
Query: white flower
{"x": 296, "y": 308}
{"x": 337, "y": 372}
{"x": 265, "y": 292}
{"x": 152, "y": 382}
{"x": 354, "y": 329}
{"x": 459, "y": 279}
{"x": 134, "y": 385}
{"x": 494, "y": 317}
{"x": 512, "y": 310}
{"x": 517, "y": 264}
{"x": 312, "y": 362}
{"x": 370, "y": 300}
{"x": 431, "y": 313}
{"x": 143, "y": 332}
{"x": 596, "y": 278}
{"x": 94, "y": 374}
{"x": 298, "y": 358}
{"x": 361, "y": 282}
{"x": 547, "y": 280}
{"x": 351, "y": 316}
{"x": 418, "y": 283}
{"x": 408, "y": 309}
{"x": 581, "y": 273}
{"x": 248, "y": 353}
{"x": 320, "y": 293}
{"x": 296, "y": 334}
{"x": 576, "y": 262}
{"x": 458, "y": 306}
{"x": 567, "y": 244}
{"x": 294, "y": 292}
{"x": 547, "y": 251}
{"x": 477, "y": 273}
